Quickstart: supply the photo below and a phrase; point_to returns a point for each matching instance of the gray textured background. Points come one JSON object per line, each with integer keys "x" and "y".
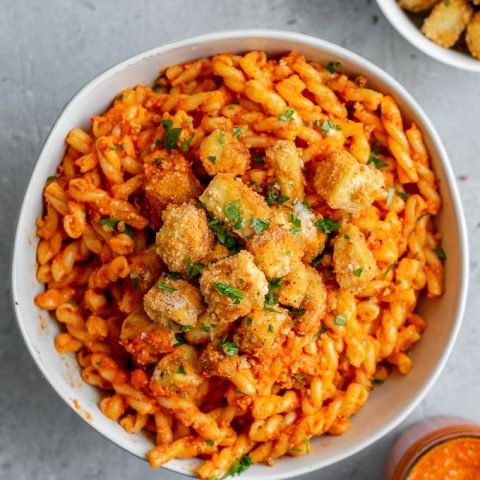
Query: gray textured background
{"x": 50, "y": 48}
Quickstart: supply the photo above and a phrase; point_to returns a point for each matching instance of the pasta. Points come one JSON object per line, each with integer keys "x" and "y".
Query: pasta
{"x": 236, "y": 254}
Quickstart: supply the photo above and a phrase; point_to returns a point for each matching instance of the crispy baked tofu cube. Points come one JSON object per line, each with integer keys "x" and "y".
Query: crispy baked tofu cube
{"x": 214, "y": 362}
{"x": 353, "y": 261}
{"x": 145, "y": 340}
{"x": 346, "y": 184}
{"x": 447, "y": 21}
{"x": 261, "y": 331}
{"x": 232, "y": 287}
{"x": 473, "y": 35}
{"x": 314, "y": 305}
{"x": 229, "y": 200}
{"x": 294, "y": 287}
{"x": 184, "y": 237}
{"x": 417, "y": 5}
{"x": 221, "y": 152}
{"x": 287, "y": 165}
{"x": 173, "y": 300}
{"x": 301, "y": 223}
{"x": 169, "y": 179}
{"x": 275, "y": 251}
{"x": 206, "y": 330}
{"x": 145, "y": 266}
{"x": 177, "y": 371}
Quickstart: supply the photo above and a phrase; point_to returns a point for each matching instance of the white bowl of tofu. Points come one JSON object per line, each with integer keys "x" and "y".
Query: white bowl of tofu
{"x": 387, "y": 406}
{"x": 448, "y": 27}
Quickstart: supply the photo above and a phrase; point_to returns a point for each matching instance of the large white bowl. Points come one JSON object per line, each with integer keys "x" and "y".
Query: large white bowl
{"x": 389, "y": 404}
{"x": 404, "y": 25}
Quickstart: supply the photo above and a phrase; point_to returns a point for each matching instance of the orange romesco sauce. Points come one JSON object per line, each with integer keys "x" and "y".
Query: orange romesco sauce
{"x": 457, "y": 459}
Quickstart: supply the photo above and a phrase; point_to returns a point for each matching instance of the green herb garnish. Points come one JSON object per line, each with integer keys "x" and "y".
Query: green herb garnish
{"x": 229, "y": 348}
{"x": 187, "y": 142}
{"x": 328, "y": 225}
{"x": 228, "y": 291}
{"x": 164, "y": 286}
{"x": 259, "y": 225}
{"x": 171, "y": 134}
{"x": 340, "y": 320}
{"x": 332, "y": 67}
{"x": 358, "y": 272}
{"x": 287, "y": 115}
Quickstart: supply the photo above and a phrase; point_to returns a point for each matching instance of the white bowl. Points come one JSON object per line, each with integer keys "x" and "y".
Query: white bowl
{"x": 401, "y": 21}
{"x": 388, "y": 404}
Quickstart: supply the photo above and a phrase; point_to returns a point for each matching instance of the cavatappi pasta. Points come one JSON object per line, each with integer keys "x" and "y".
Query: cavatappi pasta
{"x": 236, "y": 255}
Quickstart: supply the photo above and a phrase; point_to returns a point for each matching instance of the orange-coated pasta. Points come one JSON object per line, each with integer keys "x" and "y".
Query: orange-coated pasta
{"x": 295, "y": 209}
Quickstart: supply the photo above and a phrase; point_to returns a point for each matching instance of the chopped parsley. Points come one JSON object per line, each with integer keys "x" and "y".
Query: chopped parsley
{"x": 377, "y": 381}
{"x": 193, "y": 270}
{"x": 158, "y": 142}
{"x": 327, "y": 125}
{"x": 270, "y": 328}
{"x": 185, "y": 328}
{"x": 158, "y": 159}
{"x": 248, "y": 321}
{"x": 238, "y": 467}
{"x": 340, "y": 320}
{"x": 287, "y": 115}
{"x": 187, "y": 142}
{"x": 227, "y": 291}
{"x": 221, "y": 138}
{"x": 270, "y": 309}
{"x": 136, "y": 283}
{"x": 358, "y": 272}
{"x": 128, "y": 230}
{"x": 391, "y": 192}
{"x": 220, "y": 231}
{"x": 259, "y": 159}
{"x": 328, "y": 225}
{"x": 387, "y": 271}
{"x": 259, "y": 225}
{"x": 108, "y": 222}
{"x": 332, "y": 67}
{"x": 297, "y": 224}
{"x": 181, "y": 370}
{"x": 273, "y": 195}
{"x": 298, "y": 377}
{"x": 300, "y": 312}
{"x": 237, "y": 131}
{"x": 171, "y": 134}
{"x": 229, "y": 348}
{"x": 317, "y": 260}
{"x": 426, "y": 214}
{"x": 164, "y": 286}
{"x": 212, "y": 158}
{"x": 308, "y": 446}
{"x": 377, "y": 161}
{"x": 51, "y": 178}
{"x": 273, "y": 286}
{"x": 210, "y": 443}
{"x": 119, "y": 97}
{"x": 232, "y": 211}
{"x": 403, "y": 195}
{"x": 174, "y": 275}
{"x": 180, "y": 339}
{"x": 440, "y": 253}
{"x": 255, "y": 184}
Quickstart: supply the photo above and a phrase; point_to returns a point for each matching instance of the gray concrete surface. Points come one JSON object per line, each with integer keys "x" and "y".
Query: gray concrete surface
{"x": 50, "y": 48}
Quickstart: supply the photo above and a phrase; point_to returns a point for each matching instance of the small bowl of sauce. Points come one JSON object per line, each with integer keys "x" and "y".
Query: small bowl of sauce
{"x": 440, "y": 448}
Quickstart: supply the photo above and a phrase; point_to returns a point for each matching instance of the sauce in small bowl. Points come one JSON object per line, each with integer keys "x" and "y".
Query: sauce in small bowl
{"x": 439, "y": 448}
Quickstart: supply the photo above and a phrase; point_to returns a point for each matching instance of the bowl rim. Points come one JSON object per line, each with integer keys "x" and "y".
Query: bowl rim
{"x": 400, "y": 21}
{"x": 335, "y": 51}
